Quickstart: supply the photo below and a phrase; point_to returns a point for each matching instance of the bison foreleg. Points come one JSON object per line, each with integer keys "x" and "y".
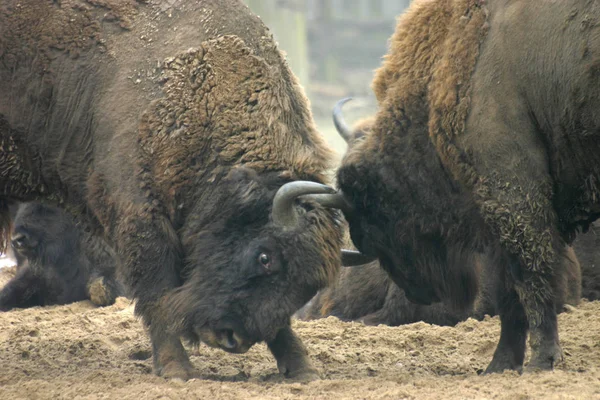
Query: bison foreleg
{"x": 149, "y": 249}
{"x": 292, "y": 356}
{"x": 170, "y": 359}
{"x": 24, "y": 290}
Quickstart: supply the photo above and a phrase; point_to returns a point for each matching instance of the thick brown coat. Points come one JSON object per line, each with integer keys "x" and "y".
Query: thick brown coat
{"x": 167, "y": 127}
{"x": 486, "y": 137}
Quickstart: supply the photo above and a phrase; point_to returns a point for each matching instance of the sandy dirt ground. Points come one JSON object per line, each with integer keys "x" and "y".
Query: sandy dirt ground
{"x": 83, "y": 352}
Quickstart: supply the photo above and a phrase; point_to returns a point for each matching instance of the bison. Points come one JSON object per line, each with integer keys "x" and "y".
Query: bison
{"x": 177, "y": 132}
{"x": 485, "y": 140}
{"x": 56, "y": 262}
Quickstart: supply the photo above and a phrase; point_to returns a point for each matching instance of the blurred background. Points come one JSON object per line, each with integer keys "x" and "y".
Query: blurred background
{"x": 333, "y": 46}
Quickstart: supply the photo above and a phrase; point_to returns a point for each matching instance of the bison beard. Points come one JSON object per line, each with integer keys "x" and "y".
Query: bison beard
{"x": 56, "y": 262}
{"x": 477, "y": 146}
{"x": 169, "y": 130}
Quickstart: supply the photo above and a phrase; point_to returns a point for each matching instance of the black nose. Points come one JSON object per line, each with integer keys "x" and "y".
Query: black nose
{"x": 228, "y": 339}
{"x": 231, "y": 342}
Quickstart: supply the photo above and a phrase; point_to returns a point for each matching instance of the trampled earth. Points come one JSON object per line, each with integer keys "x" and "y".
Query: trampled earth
{"x": 83, "y": 352}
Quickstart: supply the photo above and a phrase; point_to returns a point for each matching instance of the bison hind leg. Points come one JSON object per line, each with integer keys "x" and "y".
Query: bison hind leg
{"x": 510, "y": 353}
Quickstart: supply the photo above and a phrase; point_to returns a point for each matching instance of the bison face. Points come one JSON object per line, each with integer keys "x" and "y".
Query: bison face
{"x": 43, "y": 235}
{"x": 251, "y": 262}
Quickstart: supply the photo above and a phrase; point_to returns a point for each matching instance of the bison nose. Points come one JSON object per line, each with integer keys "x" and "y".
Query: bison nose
{"x": 229, "y": 341}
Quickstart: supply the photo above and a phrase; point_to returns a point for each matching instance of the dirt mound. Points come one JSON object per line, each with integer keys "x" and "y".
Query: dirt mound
{"x": 79, "y": 351}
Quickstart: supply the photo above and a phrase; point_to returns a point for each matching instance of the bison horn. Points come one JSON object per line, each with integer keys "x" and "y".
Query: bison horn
{"x": 332, "y": 200}
{"x": 339, "y": 122}
{"x": 284, "y": 213}
{"x": 352, "y": 258}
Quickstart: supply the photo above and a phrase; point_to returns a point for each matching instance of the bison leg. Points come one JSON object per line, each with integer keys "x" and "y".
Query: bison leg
{"x": 510, "y": 353}
{"x": 24, "y": 290}
{"x": 536, "y": 261}
{"x": 148, "y": 248}
{"x": 544, "y": 342}
{"x": 292, "y": 356}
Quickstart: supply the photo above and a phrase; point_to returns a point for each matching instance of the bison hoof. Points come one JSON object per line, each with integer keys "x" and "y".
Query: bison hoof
{"x": 501, "y": 364}
{"x": 176, "y": 370}
{"x": 100, "y": 293}
{"x": 302, "y": 371}
{"x": 304, "y": 375}
{"x": 545, "y": 360}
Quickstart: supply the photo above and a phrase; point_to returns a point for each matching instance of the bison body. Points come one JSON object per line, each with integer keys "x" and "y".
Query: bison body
{"x": 56, "y": 262}
{"x": 487, "y": 137}
{"x": 174, "y": 130}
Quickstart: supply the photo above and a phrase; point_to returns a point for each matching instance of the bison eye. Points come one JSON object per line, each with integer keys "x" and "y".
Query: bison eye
{"x": 265, "y": 260}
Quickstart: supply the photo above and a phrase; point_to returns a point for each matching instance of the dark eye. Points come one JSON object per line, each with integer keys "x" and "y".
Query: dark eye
{"x": 265, "y": 260}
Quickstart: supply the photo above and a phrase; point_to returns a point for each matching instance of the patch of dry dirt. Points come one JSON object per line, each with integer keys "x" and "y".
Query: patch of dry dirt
{"x": 82, "y": 352}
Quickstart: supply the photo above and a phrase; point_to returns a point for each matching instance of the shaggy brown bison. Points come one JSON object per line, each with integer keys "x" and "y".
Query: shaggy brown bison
{"x": 177, "y": 131}
{"x": 487, "y": 137}
{"x": 56, "y": 263}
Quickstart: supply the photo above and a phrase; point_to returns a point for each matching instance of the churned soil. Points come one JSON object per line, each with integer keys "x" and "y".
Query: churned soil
{"x": 79, "y": 351}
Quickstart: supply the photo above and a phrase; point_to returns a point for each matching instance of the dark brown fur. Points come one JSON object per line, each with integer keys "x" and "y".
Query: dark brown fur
{"x": 486, "y": 137}
{"x": 168, "y": 127}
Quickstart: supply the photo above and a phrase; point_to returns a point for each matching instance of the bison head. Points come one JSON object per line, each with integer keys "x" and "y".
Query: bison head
{"x": 258, "y": 247}
{"x": 44, "y": 236}
{"x": 405, "y": 210}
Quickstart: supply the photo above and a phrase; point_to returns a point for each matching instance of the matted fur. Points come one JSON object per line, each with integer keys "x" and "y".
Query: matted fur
{"x": 157, "y": 122}
{"x": 486, "y": 136}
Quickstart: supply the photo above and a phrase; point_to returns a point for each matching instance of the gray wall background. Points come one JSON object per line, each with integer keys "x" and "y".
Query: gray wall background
{"x": 333, "y": 46}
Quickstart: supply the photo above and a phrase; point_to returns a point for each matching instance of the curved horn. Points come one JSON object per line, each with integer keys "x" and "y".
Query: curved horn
{"x": 339, "y": 122}
{"x": 352, "y": 258}
{"x": 332, "y": 200}
{"x": 284, "y": 213}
